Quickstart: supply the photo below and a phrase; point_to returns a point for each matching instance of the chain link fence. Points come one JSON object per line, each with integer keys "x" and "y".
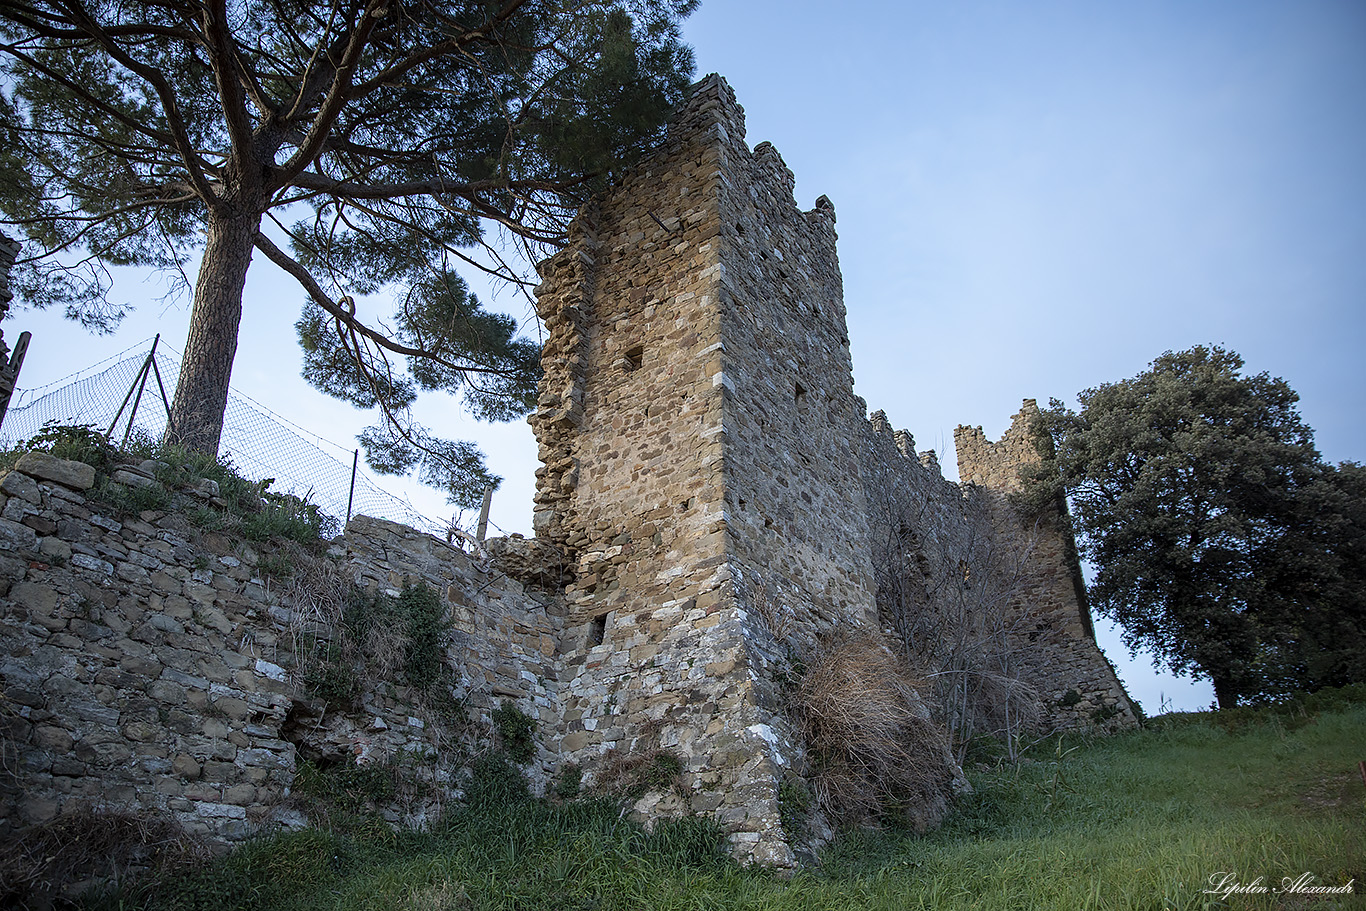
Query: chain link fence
{"x": 124, "y": 394}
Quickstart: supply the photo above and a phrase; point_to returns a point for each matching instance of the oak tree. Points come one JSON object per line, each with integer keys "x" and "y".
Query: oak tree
{"x": 1198, "y": 497}
{"x": 358, "y": 145}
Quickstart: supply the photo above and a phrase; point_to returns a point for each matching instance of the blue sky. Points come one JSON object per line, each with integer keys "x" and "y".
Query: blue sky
{"x": 1032, "y": 199}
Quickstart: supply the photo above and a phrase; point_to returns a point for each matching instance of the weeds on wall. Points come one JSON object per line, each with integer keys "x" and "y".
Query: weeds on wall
{"x": 631, "y": 774}
{"x": 248, "y": 509}
{"x": 516, "y": 732}
{"x": 73, "y": 442}
{"x": 350, "y": 797}
{"x": 401, "y": 639}
{"x": 954, "y": 608}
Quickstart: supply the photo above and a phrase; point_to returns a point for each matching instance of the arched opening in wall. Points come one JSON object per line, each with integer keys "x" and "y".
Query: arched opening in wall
{"x": 800, "y": 398}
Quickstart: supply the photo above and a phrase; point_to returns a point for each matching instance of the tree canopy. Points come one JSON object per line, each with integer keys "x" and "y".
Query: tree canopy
{"x": 1219, "y": 537}
{"x": 359, "y": 145}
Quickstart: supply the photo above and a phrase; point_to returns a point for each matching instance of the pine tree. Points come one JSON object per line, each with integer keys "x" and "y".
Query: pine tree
{"x": 358, "y": 146}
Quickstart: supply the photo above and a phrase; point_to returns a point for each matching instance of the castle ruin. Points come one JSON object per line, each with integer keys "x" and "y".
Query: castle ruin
{"x": 704, "y": 451}
{"x": 714, "y": 503}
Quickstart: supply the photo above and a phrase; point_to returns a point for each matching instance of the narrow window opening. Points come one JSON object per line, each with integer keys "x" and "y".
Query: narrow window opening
{"x": 801, "y": 396}
{"x": 598, "y": 631}
{"x": 634, "y": 358}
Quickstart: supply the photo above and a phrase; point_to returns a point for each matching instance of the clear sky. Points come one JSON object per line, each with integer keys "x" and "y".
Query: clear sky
{"x": 1033, "y": 198}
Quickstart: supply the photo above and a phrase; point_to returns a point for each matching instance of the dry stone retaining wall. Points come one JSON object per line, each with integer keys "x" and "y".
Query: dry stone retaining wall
{"x": 149, "y": 667}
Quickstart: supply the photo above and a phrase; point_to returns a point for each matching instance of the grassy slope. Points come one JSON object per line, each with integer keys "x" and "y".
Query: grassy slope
{"x": 1137, "y": 821}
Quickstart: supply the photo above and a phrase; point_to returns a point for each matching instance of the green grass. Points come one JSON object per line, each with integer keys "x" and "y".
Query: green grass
{"x": 1138, "y": 821}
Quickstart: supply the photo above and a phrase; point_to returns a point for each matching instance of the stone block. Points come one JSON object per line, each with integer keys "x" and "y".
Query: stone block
{"x": 17, "y": 537}
{"x": 44, "y": 467}
{"x": 18, "y": 484}
{"x": 52, "y": 738}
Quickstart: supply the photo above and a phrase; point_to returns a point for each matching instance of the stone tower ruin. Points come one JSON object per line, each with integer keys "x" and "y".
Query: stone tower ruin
{"x": 706, "y": 463}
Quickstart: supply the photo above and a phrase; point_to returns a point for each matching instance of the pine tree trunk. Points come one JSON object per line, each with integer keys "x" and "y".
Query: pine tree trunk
{"x": 201, "y": 396}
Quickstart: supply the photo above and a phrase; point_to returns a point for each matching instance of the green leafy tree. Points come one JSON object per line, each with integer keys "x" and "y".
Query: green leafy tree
{"x": 358, "y": 145}
{"x": 1317, "y": 637}
{"x": 1197, "y": 494}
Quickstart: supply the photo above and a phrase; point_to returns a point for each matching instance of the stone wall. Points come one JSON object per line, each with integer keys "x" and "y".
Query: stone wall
{"x": 150, "y": 667}
{"x": 724, "y": 502}
{"x": 631, "y": 426}
{"x": 1056, "y": 641}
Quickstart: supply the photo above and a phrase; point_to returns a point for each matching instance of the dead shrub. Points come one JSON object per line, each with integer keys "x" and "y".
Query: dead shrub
{"x": 878, "y": 753}
{"x": 778, "y": 617}
{"x": 44, "y": 863}
{"x": 632, "y": 775}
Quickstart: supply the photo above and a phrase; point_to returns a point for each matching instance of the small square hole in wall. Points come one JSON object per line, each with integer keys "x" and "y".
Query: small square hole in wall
{"x": 597, "y": 631}
{"x": 633, "y": 358}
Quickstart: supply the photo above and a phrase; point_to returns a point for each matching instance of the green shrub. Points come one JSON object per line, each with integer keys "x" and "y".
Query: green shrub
{"x": 516, "y": 732}
{"x": 403, "y": 638}
{"x": 348, "y": 787}
{"x": 74, "y": 442}
{"x": 425, "y": 658}
{"x": 330, "y": 676}
{"x": 495, "y": 783}
{"x": 289, "y": 517}
{"x": 568, "y": 781}
{"x": 130, "y": 499}
{"x": 794, "y": 803}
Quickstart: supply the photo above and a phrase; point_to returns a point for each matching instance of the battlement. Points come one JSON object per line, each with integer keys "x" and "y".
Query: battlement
{"x": 997, "y": 465}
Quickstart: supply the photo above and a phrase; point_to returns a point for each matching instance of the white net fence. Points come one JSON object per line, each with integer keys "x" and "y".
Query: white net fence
{"x": 258, "y": 442}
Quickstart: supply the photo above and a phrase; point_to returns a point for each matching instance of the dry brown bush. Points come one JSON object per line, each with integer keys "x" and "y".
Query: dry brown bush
{"x": 633, "y": 774}
{"x": 42, "y": 863}
{"x": 877, "y": 750}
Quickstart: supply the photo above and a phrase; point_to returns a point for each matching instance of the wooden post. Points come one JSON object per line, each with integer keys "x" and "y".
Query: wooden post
{"x": 9, "y": 371}
{"x": 484, "y": 514}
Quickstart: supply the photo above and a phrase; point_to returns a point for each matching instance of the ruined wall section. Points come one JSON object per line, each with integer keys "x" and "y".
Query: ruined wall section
{"x": 630, "y": 426}
{"x": 149, "y": 667}
{"x": 796, "y": 517}
{"x": 796, "y": 511}
{"x": 504, "y": 639}
{"x": 1056, "y": 643}
{"x": 920, "y": 528}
